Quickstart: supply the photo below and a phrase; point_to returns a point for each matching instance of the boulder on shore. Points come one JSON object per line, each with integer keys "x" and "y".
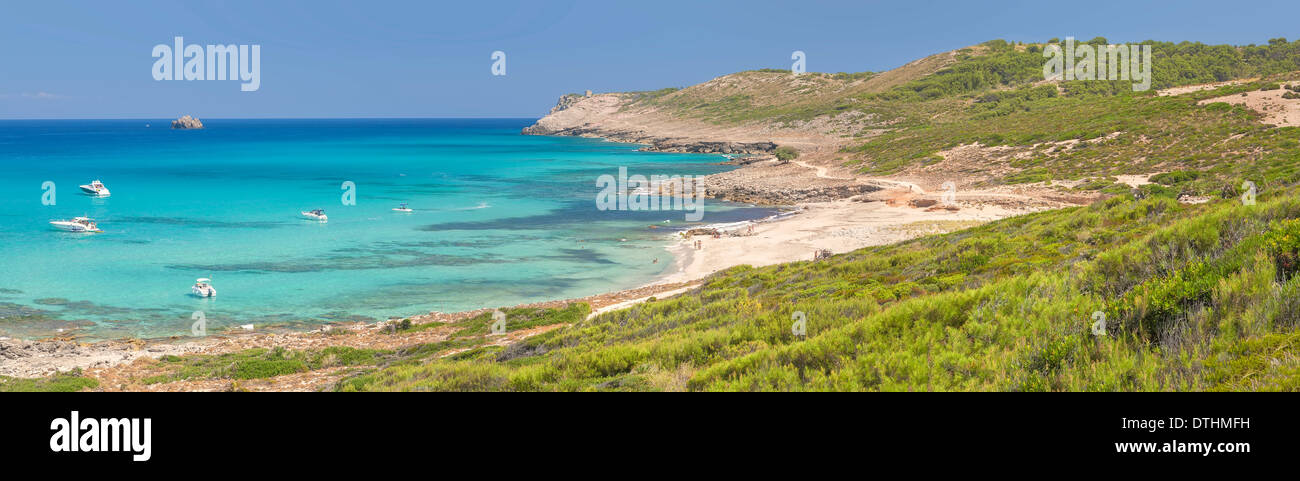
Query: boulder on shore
{"x": 187, "y": 122}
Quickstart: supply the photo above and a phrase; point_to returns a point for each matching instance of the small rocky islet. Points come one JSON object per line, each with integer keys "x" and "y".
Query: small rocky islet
{"x": 187, "y": 123}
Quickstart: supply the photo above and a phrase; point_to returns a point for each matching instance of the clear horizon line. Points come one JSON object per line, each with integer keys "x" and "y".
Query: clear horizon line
{"x": 275, "y": 118}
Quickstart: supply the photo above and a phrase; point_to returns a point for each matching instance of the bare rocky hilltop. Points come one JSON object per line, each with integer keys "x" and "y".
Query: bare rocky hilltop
{"x": 187, "y": 123}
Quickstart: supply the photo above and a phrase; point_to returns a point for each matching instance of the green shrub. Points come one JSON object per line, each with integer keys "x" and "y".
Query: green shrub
{"x": 62, "y": 382}
{"x": 1175, "y": 177}
{"x": 786, "y": 153}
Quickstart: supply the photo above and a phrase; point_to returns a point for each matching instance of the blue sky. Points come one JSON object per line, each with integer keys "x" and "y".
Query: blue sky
{"x": 432, "y": 59}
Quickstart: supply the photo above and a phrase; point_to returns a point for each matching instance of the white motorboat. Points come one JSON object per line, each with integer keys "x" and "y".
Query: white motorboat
{"x": 95, "y": 188}
{"x": 203, "y": 288}
{"x": 77, "y": 224}
{"x": 317, "y": 214}
{"x": 403, "y": 208}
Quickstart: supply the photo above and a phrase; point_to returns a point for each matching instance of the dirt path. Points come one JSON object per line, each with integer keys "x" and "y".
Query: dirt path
{"x": 1186, "y": 89}
{"x": 633, "y": 302}
{"x": 822, "y": 171}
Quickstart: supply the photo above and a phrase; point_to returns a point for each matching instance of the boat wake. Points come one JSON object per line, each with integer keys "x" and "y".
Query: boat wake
{"x": 481, "y": 205}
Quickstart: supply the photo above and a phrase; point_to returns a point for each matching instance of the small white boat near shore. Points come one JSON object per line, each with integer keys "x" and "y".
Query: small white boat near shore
{"x": 77, "y": 224}
{"x": 95, "y": 188}
{"x": 317, "y": 214}
{"x": 402, "y": 208}
{"x": 203, "y": 288}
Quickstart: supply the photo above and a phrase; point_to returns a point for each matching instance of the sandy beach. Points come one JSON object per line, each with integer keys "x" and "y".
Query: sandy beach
{"x": 839, "y": 226}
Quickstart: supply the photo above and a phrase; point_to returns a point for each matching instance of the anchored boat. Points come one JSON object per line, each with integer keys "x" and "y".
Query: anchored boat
{"x": 203, "y": 288}
{"x": 95, "y": 188}
{"x": 318, "y": 214}
{"x": 77, "y": 224}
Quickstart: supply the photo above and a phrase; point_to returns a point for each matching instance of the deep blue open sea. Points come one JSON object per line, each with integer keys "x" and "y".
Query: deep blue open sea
{"x": 500, "y": 219}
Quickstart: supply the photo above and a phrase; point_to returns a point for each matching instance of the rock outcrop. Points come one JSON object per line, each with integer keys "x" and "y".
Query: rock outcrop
{"x": 187, "y": 122}
{"x": 766, "y": 195}
{"x": 567, "y": 101}
{"x": 768, "y": 182}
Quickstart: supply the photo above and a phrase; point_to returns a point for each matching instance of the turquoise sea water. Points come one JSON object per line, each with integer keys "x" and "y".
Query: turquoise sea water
{"x": 500, "y": 219}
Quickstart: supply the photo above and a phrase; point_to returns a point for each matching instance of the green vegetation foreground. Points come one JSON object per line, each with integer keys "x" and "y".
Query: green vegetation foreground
{"x": 1200, "y": 297}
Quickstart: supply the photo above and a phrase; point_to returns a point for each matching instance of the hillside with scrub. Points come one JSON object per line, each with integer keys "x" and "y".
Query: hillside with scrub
{"x": 984, "y": 116}
{"x": 1140, "y": 290}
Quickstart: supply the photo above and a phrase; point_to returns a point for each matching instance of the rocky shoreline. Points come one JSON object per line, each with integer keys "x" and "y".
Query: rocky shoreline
{"x": 784, "y": 197}
{"x": 43, "y": 357}
{"x": 656, "y": 143}
{"x": 760, "y": 180}
{"x": 23, "y": 358}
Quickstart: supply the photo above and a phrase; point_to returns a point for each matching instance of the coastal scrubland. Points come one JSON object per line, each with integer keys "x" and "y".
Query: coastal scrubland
{"x": 1195, "y": 297}
{"x": 994, "y": 95}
